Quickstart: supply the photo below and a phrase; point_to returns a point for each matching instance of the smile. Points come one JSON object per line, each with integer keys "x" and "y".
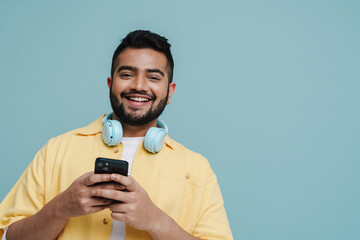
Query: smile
{"x": 138, "y": 99}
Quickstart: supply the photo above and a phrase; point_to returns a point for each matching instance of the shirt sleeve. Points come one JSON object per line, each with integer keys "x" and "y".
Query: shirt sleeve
{"x": 27, "y": 196}
{"x": 213, "y": 223}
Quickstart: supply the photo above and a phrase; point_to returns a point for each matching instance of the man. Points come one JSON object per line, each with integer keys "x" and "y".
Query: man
{"x": 172, "y": 192}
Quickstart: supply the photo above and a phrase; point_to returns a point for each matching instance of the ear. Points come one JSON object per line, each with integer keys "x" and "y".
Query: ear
{"x": 172, "y": 87}
{"x": 109, "y": 81}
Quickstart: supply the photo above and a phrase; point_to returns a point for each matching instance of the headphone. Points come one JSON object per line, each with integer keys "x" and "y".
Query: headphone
{"x": 112, "y": 133}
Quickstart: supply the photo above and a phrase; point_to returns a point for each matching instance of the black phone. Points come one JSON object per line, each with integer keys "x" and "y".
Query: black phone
{"x": 108, "y": 165}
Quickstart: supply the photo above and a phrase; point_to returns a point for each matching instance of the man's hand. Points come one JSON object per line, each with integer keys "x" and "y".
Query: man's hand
{"x": 132, "y": 206}
{"x": 135, "y": 208}
{"x": 77, "y": 200}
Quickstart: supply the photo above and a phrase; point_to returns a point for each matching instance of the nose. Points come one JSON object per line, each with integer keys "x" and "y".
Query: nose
{"x": 139, "y": 83}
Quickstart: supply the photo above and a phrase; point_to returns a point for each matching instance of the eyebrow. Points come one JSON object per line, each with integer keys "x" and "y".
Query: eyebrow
{"x": 152, "y": 70}
{"x": 155, "y": 70}
{"x": 125, "y": 67}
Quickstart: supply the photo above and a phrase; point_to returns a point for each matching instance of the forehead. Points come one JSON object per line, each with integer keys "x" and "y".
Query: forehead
{"x": 143, "y": 58}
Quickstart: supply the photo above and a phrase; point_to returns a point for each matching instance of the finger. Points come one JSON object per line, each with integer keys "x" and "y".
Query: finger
{"x": 109, "y": 185}
{"x": 114, "y": 185}
{"x": 98, "y": 201}
{"x": 121, "y": 217}
{"x": 129, "y": 182}
{"x": 92, "y": 179}
{"x": 96, "y": 209}
{"x": 112, "y": 194}
{"x": 119, "y": 207}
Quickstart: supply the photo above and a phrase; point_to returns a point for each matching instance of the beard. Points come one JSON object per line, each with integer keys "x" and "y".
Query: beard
{"x": 136, "y": 118}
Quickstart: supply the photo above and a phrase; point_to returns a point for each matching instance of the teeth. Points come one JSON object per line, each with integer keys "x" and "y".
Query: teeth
{"x": 139, "y": 99}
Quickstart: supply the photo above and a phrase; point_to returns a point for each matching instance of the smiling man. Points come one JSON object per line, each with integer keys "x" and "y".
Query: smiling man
{"x": 139, "y": 87}
{"x": 171, "y": 192}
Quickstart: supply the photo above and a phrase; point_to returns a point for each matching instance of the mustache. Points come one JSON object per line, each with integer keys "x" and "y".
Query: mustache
{"x": 144, "y": 93}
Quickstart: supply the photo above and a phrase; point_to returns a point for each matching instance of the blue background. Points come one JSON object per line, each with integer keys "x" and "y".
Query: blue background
{"x": 268, "y": 91}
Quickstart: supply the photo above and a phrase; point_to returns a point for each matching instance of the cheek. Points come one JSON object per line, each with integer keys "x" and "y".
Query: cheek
{"x": 160, "y": 91}
{"x": 118, "y": 86}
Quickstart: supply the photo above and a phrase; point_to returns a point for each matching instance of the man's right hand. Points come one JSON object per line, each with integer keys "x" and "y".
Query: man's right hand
{"x": 77, "y": 199}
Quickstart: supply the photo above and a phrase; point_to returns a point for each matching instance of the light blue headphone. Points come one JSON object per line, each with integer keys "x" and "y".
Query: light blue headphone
{"x": 112, "y": 133}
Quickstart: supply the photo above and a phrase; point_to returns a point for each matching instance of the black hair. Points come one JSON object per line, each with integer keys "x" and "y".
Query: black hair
{"x": 145, "y": 39}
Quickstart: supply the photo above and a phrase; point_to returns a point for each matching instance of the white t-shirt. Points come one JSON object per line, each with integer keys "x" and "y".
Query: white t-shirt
{"x": 131, "y": 144}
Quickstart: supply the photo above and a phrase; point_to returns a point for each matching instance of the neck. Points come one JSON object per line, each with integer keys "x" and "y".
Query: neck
{"x": 135, "y": 131}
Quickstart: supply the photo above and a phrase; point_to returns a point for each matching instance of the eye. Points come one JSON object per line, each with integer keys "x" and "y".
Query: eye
{"x": 154, "y": 77}
{"x": 125, "y": 75}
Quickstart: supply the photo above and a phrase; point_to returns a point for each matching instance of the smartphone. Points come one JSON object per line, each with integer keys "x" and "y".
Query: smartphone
{"x": 108, "y": 165}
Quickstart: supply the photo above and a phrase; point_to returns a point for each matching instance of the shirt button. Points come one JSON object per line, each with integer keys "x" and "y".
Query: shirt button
{"x": 116, "y": 150}
{"x": 105, "y": 220}
{"x": 187, "y": 176}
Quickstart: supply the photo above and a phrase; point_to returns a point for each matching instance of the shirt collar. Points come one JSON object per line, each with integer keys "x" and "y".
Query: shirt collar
{"x": 95, "y": 128}
{"x": 91, "y": 129}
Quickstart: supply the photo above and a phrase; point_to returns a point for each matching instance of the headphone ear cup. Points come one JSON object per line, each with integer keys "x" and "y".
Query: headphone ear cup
{"x": 154, "y": 139}
{"x": 112, "y": 132}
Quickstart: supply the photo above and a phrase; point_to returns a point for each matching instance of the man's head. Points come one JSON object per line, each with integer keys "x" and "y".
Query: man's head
{"x": 140, "y": 85}
{"x": 145, "y": 39}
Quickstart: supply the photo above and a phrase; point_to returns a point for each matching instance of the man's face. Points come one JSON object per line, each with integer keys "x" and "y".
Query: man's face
{"x": 140, "y": 89}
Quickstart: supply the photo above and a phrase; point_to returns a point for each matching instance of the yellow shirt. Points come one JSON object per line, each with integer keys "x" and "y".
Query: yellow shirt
{"x": 178, "y": 181}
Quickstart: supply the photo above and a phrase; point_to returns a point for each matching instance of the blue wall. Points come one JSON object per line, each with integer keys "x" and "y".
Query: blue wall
{"x": 268, "y": 91}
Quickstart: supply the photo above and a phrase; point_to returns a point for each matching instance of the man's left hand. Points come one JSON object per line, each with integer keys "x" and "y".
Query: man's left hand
{"x": 134, "y": 206}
